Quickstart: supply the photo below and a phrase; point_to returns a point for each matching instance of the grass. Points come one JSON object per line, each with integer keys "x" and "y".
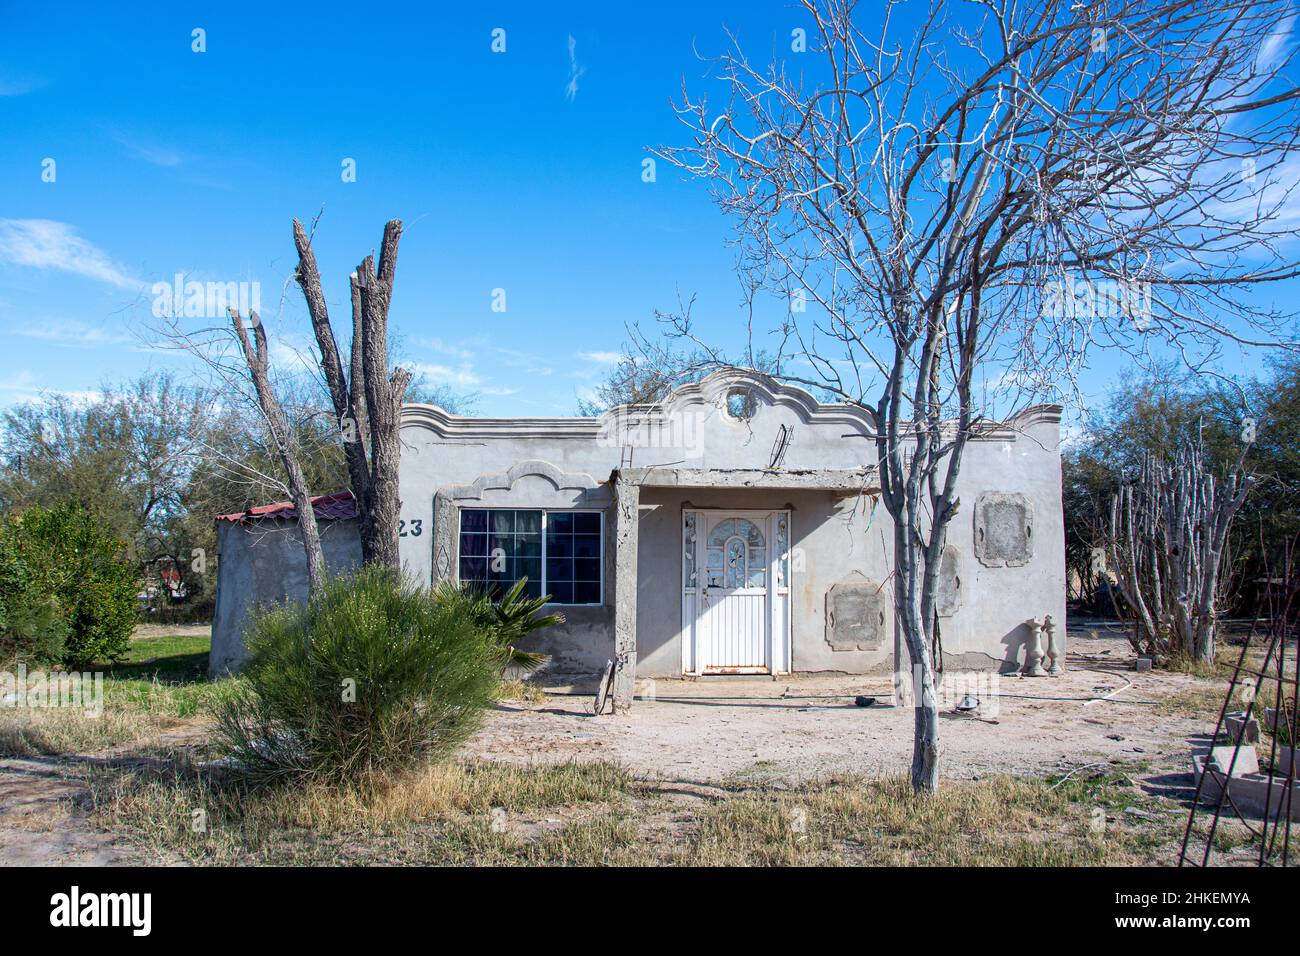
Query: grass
{"x": 1197, "y": 702}
{"x": 446, "y": 813}
{"x": 520, "y": 690}
{"x": 160, "y": 684}
{"x": 596, "y": 813}
{"x": 1204, "y": 699}
{"x": 592, "y": 813}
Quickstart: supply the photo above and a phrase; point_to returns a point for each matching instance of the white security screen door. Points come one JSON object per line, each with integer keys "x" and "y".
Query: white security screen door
{"x": 734, "y": 617}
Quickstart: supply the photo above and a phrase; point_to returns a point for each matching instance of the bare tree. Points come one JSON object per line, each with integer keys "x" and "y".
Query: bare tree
{"x": 250, "y": 401}
{"x": 1168, "y": 529}
{"x": 958, "y": 207}
{"x": 277, "y": 422}
{"x": 368, "y": 399}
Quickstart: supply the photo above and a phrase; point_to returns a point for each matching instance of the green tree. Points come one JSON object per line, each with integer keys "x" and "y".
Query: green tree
{"x": 67, "y": 555}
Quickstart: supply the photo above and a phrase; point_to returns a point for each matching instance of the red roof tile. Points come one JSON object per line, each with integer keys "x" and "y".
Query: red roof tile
{"x": 338, "y": 506}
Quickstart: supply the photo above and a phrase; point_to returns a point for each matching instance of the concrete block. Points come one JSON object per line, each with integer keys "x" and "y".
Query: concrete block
{"x": 1143, "y": 664}
{"x": 1247, "y": 761}
{"x": 1233, "y": 726}
{"x": 1287, "y": 760}
{"x": 1254, "y": 793}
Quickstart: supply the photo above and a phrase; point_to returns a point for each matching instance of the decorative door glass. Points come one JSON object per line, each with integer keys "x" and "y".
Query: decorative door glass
{"x": 736, "y": 555}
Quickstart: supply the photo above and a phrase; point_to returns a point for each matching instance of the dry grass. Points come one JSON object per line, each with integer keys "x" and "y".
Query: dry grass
{"x": 40, "y": 818}
{"x": 133, "y": 710}
{"x": 1197, "y": 702}
{"x": 596, "y": 814}
{"x": 202, "y": 817}
{"x": 520, "y": 690}
{"x": 36, "y": 732}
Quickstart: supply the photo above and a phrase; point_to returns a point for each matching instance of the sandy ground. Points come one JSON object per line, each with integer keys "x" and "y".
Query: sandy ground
{"x": 793, "y": 729}
{"x": 708, "y": 730}
{"x": 43, "y": 820}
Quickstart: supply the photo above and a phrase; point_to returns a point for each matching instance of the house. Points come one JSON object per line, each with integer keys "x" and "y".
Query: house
{"x": 260, "y": 561}
{"x": 734, "y": 528}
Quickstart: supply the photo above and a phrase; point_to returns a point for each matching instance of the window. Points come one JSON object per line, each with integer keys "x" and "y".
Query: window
{"x": 558, "y": 551}
{"x": 741, "y": 404}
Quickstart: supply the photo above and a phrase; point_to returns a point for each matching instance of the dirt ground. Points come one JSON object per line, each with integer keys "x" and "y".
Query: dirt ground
{"x": 775, "y": 731}
{"x": 797, "y": 728}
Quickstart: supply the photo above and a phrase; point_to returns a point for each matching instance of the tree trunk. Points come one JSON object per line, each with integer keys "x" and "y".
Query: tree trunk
{"x": 255, "y": 356}
{"x": 383, "y": 397}
{"x": 925, "y": 737}
{"x": 368, "y": 401}
{"x": 347, "y": 416}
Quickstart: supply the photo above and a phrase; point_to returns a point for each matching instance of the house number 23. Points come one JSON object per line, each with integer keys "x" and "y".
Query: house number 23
{"x": 416, "y": 527}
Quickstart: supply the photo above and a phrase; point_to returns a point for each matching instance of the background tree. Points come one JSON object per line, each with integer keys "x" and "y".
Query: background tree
{"x": 70, "y": 592}
{"x": 1153, "y": 416}
{"x": 649, "y": 367}
{"x": 127, "y": 453}
{"x": 962, "y": 207}
{"x": 1169, "y": 527}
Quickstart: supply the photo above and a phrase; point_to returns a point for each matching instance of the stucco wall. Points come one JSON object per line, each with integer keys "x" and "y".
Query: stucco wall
{"x": 552, "y": 463}
{"x": 263, "y": 563}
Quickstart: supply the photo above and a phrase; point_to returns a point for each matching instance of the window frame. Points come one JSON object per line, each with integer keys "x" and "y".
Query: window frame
{"x": 546, "y": 514}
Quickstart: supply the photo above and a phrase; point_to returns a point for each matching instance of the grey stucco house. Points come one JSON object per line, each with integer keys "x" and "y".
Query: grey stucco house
{"x": 260, "y": 561}
{"x": 733, "y": 528}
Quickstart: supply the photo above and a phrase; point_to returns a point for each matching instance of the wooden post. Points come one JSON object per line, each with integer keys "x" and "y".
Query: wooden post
{"x": 627, "y": 499}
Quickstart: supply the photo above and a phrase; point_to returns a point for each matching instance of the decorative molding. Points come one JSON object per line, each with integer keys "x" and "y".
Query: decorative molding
{"x": 848, "y": 480}
{"x": 711, "y": 390}
{"x": 446, "y": 425}
{"x": 714, "y": 388}
{"x": 561, "y": 480}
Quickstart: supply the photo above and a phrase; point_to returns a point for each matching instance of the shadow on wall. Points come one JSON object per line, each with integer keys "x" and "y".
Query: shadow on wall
{"x": 1015, "y": 642}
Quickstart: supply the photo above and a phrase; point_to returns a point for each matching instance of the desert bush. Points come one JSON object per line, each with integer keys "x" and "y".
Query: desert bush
{"x": 506, "y": 620}
{"x": 372, "y": 676}
{"x": 68, "y": 593}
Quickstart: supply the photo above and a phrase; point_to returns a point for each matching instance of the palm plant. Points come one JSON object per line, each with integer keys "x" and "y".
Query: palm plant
{"x": 507, "y": 620}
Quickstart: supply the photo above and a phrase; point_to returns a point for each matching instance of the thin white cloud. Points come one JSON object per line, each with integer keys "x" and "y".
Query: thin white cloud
{"x": 601, "y": 358}
{"x": 19, "y": 87}
{"x": 447, "y": 348}
{"x": 515, "y": 358}
{"x": 294, "y": 353}
{"x": 157, "y": 154}
{"x": 575, "y": 71}
{"x": 46, "y": 244}
{"x": 1277, "y": 47}
{"x": 24, "y": 386}
{"x": 462, "y": 376}
{"x": 73, "y": 333}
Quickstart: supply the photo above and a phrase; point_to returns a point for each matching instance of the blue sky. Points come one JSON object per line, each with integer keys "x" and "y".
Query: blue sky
{"x": 518, "y": 171}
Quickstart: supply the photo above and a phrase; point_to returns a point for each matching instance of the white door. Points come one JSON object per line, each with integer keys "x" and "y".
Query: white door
{"x": 733, "y": 630}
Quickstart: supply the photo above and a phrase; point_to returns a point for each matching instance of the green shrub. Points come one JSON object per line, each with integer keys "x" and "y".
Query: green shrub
{"x": 370, "y": 677}
{"x": 67, "y": 594}
{"x": 34, "y": 630}
{"x": 506, "y": 620}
